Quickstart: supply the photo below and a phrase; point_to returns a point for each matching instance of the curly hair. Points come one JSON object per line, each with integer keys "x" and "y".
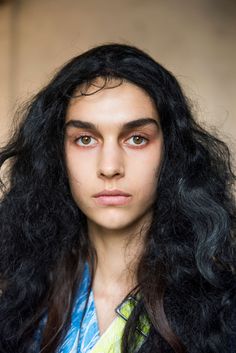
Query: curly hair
{"x": 186, "y": 275}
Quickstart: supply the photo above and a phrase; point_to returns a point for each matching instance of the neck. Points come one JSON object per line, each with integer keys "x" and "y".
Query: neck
{"x": 118, "y": 252}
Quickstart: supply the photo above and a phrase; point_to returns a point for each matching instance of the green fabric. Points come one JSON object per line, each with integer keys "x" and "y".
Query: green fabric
{"x": 110, "y": 341}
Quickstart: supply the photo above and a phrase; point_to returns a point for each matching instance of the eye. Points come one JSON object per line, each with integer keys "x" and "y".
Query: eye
{"x": 138, "y": 140}
{"x": 84, "y": 140}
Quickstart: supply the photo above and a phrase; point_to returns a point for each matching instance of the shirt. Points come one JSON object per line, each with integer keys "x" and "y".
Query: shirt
{"x": 83, "y": 335}
{"x": 82, "y": 340}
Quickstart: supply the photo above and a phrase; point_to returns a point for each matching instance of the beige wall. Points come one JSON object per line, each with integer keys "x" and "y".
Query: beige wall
{"x": 195, "y": 39}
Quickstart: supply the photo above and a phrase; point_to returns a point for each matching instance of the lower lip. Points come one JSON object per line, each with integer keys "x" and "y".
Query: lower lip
{"x": 112, "y": 200}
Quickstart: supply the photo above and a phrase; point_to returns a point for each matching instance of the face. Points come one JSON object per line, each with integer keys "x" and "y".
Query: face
{"x": 113, "y": 142}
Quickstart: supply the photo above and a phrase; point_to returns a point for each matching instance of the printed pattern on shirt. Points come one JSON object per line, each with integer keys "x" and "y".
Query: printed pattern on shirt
{"x": 76, "y": 340}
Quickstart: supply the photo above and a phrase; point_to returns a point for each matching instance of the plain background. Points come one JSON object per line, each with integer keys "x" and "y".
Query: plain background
{"x": 194, "y": 39}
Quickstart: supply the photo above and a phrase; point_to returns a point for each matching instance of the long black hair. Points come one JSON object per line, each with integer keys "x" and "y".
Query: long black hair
{"x": 186, "y": 275}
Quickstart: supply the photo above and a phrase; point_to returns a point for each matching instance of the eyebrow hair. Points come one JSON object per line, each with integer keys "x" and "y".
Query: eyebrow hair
{"x": 127, "y": 126}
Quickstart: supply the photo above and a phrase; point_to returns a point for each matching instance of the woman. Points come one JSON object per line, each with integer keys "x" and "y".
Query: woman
{"x": 118, "y": 219}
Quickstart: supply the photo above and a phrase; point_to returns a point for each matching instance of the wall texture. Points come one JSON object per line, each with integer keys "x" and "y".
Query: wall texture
{"x": 195, "y": 39}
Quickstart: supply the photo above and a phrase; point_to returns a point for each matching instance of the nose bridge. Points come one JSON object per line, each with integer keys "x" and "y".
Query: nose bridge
{"x": 111, "y": 159}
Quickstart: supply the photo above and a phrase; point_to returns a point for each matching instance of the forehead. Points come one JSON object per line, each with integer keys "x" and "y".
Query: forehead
{"x": 116, "y": 103}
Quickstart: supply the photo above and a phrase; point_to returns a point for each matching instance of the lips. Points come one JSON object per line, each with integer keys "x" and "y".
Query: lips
{"x": 114, "y": 192}
{"x": 112, "y": 198}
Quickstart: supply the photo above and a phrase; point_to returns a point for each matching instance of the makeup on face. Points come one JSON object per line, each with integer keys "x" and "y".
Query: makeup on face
{"x": 113, "y": 150}
{"x": 142, "y": 130}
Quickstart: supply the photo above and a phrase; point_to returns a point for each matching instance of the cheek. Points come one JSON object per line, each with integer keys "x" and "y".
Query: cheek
{"x": 148, "y": 180}
{"x": 78, "y": 167}
{"x": 144, "y": 183}
{"x": 146, "y": 167}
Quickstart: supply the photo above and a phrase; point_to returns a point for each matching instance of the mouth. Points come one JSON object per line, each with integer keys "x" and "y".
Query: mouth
{"x": 112, "y": 200}
{"x": 112, "y": 197}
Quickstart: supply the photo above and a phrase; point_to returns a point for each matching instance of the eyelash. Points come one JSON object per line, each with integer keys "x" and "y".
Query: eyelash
{"x": 134, "y": 135}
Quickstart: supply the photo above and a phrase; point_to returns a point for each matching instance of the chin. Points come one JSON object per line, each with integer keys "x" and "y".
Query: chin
{"x": 112, "y": 224}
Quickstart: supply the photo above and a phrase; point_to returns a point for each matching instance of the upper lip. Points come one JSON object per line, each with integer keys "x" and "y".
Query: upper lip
{"x": 114, "y": 192}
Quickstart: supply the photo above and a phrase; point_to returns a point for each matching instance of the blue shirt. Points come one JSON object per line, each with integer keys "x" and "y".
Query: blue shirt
{"x": 78, "y": 340}
{"x": 83, "y": 340}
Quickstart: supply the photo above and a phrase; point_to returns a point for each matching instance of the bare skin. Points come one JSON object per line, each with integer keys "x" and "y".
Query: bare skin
{"x": 115, "y": 274}
{"x": 109, "y": 157}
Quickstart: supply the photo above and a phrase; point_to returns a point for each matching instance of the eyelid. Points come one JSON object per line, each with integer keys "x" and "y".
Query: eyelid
{"x": 138, "y": 133}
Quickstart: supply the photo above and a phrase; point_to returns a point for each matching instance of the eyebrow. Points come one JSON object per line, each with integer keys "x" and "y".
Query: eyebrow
{"x": 126, "y": 127}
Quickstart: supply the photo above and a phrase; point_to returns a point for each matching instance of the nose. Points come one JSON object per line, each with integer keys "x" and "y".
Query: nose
{"x": 110, "y": 161}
